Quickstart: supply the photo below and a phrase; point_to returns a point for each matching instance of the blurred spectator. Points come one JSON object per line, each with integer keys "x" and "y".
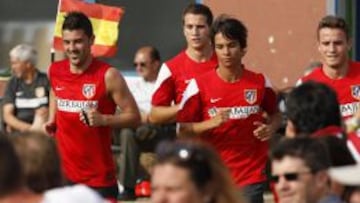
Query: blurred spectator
{"x": 299, "y": 171}
{"x": 25, "y": 103}
{"x": 313, "y": 108}
{"x": 348, "y": 175}
{"x": 13, "y": 187}
{"x": 191, "y": 172}
{"x": 40, "y": 161}
{"x": 147, "y": 135}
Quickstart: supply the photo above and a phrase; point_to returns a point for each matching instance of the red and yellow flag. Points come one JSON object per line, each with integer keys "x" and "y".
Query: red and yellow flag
{"x": 104, "y": 19}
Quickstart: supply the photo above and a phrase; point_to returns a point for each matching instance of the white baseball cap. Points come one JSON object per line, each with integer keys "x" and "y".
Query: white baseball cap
{"x": 347, "y": 175}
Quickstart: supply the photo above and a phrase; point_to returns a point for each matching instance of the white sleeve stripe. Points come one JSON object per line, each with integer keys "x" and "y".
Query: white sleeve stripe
{"x": 30, "y": 103}
{"x": 191, "y": 90}
{"x": 298, "y": 83}
{"x": 353, "y": 151}
{"x": 267, "y": 82}
{"x": 164, "y": 74}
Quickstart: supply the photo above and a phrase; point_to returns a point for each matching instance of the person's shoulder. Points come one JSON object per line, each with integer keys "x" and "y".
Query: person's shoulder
{"x": 41, "y": 74}
{"x": 59, "y": 66}
{"x": 253, "y": 74}
{"x": 70, "y": 194}
{"x": 60, "y": 63}
{"x": 176, "y": 60}
{"x": 355, "y": 66}
{"x": 206, "y": 78}
{"x": 313, "y": 75}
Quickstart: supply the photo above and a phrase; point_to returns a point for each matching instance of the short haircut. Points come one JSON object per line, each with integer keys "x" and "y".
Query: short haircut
{"x": 340, "y": 154}
{"x": 231, "y": 28}
{"x": 333, "y": 22}
{"x": 199, "y": 9}
{"x": 25, "y": 53}
{"x": 311, "y": 151}
{"x": 312, "y": 106}
{"x": 11, "y": 175}
{"x": 78, "y": 21}
{"x": 40, "y": 161}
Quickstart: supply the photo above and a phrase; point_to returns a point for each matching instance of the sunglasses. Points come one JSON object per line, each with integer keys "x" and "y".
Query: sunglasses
{"x": 141, "y": 64}
{"x": 288, "y": 176}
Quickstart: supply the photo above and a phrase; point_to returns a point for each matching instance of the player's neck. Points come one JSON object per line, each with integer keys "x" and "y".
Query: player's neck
{"x": 200, "y": 55}
{"x": 336, "y": 72}
{"x": 230, "y": 74}
{"x": 78, "y": 69}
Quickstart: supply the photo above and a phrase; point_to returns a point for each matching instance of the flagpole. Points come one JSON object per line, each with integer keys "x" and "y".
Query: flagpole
{"x": 52, "y": 55}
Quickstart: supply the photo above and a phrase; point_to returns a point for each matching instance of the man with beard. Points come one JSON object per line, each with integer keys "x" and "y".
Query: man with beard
{"x": 85, "y": 93}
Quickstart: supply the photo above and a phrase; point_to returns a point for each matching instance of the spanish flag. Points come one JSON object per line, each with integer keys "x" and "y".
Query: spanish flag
{"x": 105, "y": 21}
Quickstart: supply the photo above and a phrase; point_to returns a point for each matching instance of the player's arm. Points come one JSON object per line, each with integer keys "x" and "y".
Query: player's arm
{"x": 163, "y": 114}
{"x": 12, "y": 121}
{"x": 197, "y": 128}
{"x": 162, "y": 110}
{"x": 50, "y": 125}
{"x": 118, "y": 90}
{"x": 265, "y": 130}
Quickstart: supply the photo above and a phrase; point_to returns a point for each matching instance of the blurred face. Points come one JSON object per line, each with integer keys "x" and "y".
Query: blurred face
{"x": 77, "y": 46}
{"x": 228, "y": 51}
{"x": 333, "y": 47}
{"x": 196, "y": 31}
{"x": 291, "y": 189}
{"x": 355, "y": 197}
{"x": 171, "y": 184}
{"x": 145, "y": 66}
{"x": 19, "y": 68}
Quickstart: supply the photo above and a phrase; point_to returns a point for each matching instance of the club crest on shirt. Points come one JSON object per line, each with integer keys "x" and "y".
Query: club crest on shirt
{"x": 89, "y": 90}
{"x": 355, "y": 91}
{"x": 40, "y": 91}
{"x": 250, "y": 95}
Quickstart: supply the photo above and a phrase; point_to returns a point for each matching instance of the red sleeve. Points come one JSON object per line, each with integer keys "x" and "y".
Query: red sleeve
{"x": 164, "y": 93}
{"x": 269, "y": 103}
{"x": 190, "y": 105}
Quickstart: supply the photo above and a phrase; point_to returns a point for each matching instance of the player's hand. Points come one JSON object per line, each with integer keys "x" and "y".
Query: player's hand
{"x": 50, "y": 128}
{"x": 222, "y": 115}
{"x": 92, "y": 117}
{"x": 263, "y": 131}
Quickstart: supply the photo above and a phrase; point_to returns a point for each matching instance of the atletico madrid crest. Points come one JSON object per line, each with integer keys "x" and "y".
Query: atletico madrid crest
{"x": 250, "y": 95}
{"x": 89, "y": 90}
{"x": 355, "y": 91}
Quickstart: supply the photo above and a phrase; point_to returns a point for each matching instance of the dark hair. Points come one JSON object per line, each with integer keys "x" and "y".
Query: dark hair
{"x": 204, "y": 165}
{"x": 340, "y": 154}
{"x": 311, "y": 151}
{"x": 78, "y": 21}
{"x": 40, "y": 161}
{"x": 154, "y": 54}
{"x": 333, "y": 22}
{"x": 199, "y": 9}
{"x": 312, "y": 106}
{"x": 231, "y": 28}
{"x": 11, "y": 175}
